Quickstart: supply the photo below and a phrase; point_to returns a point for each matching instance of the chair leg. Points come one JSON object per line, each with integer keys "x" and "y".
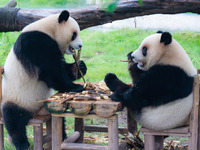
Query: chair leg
{"x": 149, "y": 142}
{"x": 49, "y": 133}
{"x": 38, "y": 137}
{"x": 79, "y": 123}
{"x": 113, "y": 133}
{"x": 1, "y": 137}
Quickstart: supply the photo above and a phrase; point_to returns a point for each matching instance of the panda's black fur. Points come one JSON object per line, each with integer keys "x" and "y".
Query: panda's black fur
{"x": 15, "y": 119}
{"x": 38, "y": 50}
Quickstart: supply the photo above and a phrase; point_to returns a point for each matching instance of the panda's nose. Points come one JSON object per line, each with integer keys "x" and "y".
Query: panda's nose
{"x": 80, "y": 45}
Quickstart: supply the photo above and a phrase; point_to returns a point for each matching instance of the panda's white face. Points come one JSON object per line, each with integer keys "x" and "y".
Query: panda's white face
{"x": 149, "y": 52}
{"x": 68, "y": 36}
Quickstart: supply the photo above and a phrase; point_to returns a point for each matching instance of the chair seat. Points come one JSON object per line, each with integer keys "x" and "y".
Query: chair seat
{"x": 180, "y": 131}
{"x": 35, "y": 121}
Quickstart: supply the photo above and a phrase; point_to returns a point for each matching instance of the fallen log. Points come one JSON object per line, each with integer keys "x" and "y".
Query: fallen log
{"x": 15, "y": 19}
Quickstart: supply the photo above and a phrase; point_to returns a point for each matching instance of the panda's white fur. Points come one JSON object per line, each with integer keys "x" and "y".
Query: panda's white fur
{"x": 173, "y": 54}
{"x": 29, "y": 78}
{"x": 22, "y": 89}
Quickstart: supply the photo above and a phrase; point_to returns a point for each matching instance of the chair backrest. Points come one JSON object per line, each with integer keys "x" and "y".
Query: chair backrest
{"x": 194, "y": 116}
{"x": 1, "y": 73}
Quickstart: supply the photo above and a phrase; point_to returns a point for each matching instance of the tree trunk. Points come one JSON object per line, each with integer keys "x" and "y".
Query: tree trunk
{"x": 14, "y": 19}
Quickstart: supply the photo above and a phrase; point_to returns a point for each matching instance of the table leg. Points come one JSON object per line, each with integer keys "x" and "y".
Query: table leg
{"x": 79, "y": 122}
{"x": 113, "y": 133}
{"x": 56, "y": 133}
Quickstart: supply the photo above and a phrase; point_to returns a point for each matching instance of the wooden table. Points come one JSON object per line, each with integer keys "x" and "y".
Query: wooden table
{"x": 104, "y": 109}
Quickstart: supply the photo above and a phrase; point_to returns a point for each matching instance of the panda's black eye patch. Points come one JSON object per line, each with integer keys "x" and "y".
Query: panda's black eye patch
{"x": 144, "y": 51}
{"x": 74, "y": 36}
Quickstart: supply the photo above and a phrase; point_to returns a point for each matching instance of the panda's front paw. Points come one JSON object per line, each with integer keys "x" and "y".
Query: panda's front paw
{"x": 82, "y": 67}
{"x": 77, "y": 88}
{"x": 116, "y": 97}
{"x": 111, "y": 80}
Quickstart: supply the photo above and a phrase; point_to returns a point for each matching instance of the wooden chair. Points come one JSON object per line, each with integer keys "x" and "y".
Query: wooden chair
{"x": 36, "y": 122}
{"x": 192, "y": 131}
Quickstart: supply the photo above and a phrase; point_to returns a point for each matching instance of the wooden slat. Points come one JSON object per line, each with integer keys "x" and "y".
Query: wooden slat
{"x": 194, "y": 115}
{"x": 1, "y": 72}
{"x": 39, "y": 119}
{"x": 72, "y": 138}
{"x": 77, "y": 146}
{"x": 67, "y": 114}
{"x": 46, "y": 139}
{"x": 106, "y": 108}
{"x": 97, "y": 128}
{"x": 182, "y": 130}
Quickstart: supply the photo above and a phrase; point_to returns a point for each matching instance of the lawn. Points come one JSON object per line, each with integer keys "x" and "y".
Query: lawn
{"x": 102, "y": 52}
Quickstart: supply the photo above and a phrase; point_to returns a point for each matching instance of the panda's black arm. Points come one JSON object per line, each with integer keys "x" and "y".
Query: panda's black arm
{"x": 38, "y": 52}
{"x": 159, "y": 85}
{"x": 114, "y": 84}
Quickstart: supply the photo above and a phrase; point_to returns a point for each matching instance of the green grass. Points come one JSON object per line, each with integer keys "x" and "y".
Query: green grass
{"x": 52, "y": 3}
{"x": 102, "y": 52}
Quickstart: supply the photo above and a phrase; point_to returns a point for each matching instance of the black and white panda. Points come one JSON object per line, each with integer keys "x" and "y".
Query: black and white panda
{"x": 163, "y": 74}
{"x": 34, "y": 67}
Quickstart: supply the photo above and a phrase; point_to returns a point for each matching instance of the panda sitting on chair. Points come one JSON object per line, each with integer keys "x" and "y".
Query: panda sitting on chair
{"x": 162, "y": 73}
{"x": 34, "y": 67}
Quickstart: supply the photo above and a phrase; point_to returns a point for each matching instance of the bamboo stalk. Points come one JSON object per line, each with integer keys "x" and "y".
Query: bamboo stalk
{"x": 75, "y": 58}
{"x": 125, "y": 60}
{"x": 67, "y": 99}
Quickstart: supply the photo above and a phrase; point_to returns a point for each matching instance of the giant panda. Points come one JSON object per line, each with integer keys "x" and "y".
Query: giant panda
{"x": 162, "y": 93}
{"x": 34, "y": 67}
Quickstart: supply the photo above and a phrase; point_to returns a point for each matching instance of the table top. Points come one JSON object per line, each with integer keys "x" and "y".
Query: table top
{"x": 61, "y": 103}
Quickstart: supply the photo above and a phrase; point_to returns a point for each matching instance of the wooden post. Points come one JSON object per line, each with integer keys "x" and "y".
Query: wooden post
{"x": 38, "y": 137}
{"x": 49, "y": 133}
{"x": 79, "y": 122}
{"x": 1, "y": 72}
{"x": 1, "y": 137}
{"x": 113, "y": 133}
{"x": 149, "y": 142}
{"x": 198, "y": 140}
{"x": 194, "y": 116}
{"x": 56, "y": 133}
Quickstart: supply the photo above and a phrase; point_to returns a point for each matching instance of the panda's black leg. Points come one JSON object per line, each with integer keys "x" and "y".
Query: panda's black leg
{"x": 16, "y": 119}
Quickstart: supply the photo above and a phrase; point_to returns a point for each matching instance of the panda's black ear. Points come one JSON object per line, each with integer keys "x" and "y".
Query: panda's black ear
{"x": 64, "y": 15}
{"x": 159, "y": 31}
{"x": 166, "y": 38}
